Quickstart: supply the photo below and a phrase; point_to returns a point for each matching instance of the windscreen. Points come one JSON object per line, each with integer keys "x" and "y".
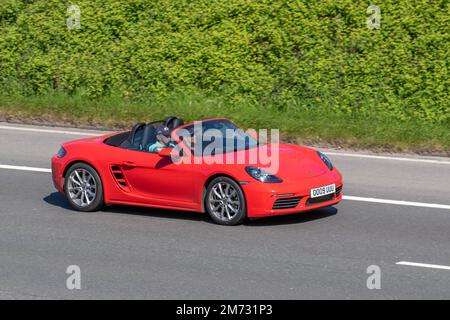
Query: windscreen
{"x": 215, "y": 137}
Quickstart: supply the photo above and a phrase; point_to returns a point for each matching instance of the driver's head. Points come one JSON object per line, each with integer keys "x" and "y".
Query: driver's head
{"x": 163, "y": 135}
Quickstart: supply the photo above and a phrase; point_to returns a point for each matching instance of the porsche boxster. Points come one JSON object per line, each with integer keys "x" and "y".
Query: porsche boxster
{"x": 167, "y": 164}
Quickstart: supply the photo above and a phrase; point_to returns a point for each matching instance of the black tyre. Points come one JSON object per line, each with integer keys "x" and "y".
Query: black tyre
{"x": 83, "y": 187}
{"x": 225, "y": 202}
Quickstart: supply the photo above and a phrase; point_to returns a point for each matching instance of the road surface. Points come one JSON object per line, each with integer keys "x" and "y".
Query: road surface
{"x": 140, "y": 253}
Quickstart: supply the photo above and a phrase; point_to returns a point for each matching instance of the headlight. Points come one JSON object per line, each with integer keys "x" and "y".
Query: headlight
{"x": 61, "y": 153}
{"x": 262, "y": 175}
{"x": 325, "y": 160}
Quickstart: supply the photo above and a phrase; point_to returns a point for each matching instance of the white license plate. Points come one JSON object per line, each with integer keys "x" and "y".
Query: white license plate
{"x": 323, "y": 191}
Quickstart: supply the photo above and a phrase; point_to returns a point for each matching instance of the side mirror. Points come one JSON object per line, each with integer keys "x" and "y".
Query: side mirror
{"x": 165, "y": 152}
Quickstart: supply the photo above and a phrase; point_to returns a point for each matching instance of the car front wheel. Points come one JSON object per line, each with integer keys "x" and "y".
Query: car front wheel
{"x": 225, "y": 201}
{"x": 83, "y": 187}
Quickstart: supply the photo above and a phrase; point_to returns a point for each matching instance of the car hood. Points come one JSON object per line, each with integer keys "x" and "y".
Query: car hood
{"x": 294, "y": 162}
{"x": 297, "y": 163}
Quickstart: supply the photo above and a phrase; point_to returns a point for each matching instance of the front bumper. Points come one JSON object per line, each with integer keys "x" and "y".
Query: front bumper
{"x": 261, "y": 197}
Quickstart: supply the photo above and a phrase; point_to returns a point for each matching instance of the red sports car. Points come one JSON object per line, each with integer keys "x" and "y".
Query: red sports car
{"x": 166, "y": 164}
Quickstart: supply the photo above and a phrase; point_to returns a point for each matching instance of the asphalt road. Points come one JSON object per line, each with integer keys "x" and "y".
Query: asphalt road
{"x": 126, "y": 252}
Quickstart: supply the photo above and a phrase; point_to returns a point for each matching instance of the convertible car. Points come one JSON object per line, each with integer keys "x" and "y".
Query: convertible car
{"x": 118, "y": 168}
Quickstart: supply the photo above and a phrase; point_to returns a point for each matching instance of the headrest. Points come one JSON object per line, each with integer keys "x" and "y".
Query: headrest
{"x": 173, "y": 122}
{"x": 136, "y": 128}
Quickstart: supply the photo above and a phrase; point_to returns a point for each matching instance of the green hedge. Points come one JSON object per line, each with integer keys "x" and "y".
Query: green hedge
{"x": 280, "y": 52}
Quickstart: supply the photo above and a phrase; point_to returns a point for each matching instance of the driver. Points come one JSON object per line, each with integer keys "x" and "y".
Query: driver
{"x": 163, "y": 140}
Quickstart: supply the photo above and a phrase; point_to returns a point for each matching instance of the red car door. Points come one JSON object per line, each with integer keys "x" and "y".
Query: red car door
{"x": 157, "y": 180}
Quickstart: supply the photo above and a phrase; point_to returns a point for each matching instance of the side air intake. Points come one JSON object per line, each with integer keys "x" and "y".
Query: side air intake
{"x": 119, "y": 178}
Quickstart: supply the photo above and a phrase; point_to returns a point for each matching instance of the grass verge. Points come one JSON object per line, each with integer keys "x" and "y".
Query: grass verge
{"x": 301, "y": 123}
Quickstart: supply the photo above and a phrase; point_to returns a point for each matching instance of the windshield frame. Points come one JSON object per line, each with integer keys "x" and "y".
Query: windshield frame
{"x": 182, "y": 143}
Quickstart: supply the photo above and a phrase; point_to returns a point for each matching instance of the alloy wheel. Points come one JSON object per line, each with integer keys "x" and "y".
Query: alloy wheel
{"x": 224, "y": 201}
{"x": 82, "y": 187}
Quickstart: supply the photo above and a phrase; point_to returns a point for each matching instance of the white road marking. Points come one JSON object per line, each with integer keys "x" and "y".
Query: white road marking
{"x": 398, "y": 202}
{"x": 424, "y": 265}
{"x": 369, "y": 156}
{"x": 23, "y": 168}
{"x": 76, "y": 133}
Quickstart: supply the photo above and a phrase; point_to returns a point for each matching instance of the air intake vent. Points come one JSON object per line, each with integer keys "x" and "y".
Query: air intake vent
{"x": 338, "y": 190}
{"x": 321, "y": 199}
{"x": 119, "y": 177}
{"x": 286, "y": 203}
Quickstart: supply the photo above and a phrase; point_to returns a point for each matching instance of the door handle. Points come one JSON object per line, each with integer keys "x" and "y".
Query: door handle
{"x": 129, "y": 164}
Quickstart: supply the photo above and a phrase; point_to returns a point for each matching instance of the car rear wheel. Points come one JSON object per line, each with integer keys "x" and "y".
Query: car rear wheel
{"x": 83, "y": 187}
{"x": 225, "y": 201}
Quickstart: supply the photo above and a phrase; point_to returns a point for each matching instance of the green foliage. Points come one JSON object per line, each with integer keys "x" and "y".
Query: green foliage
{"x": 283, "y": 53}
{"x": 308, "y": 125}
